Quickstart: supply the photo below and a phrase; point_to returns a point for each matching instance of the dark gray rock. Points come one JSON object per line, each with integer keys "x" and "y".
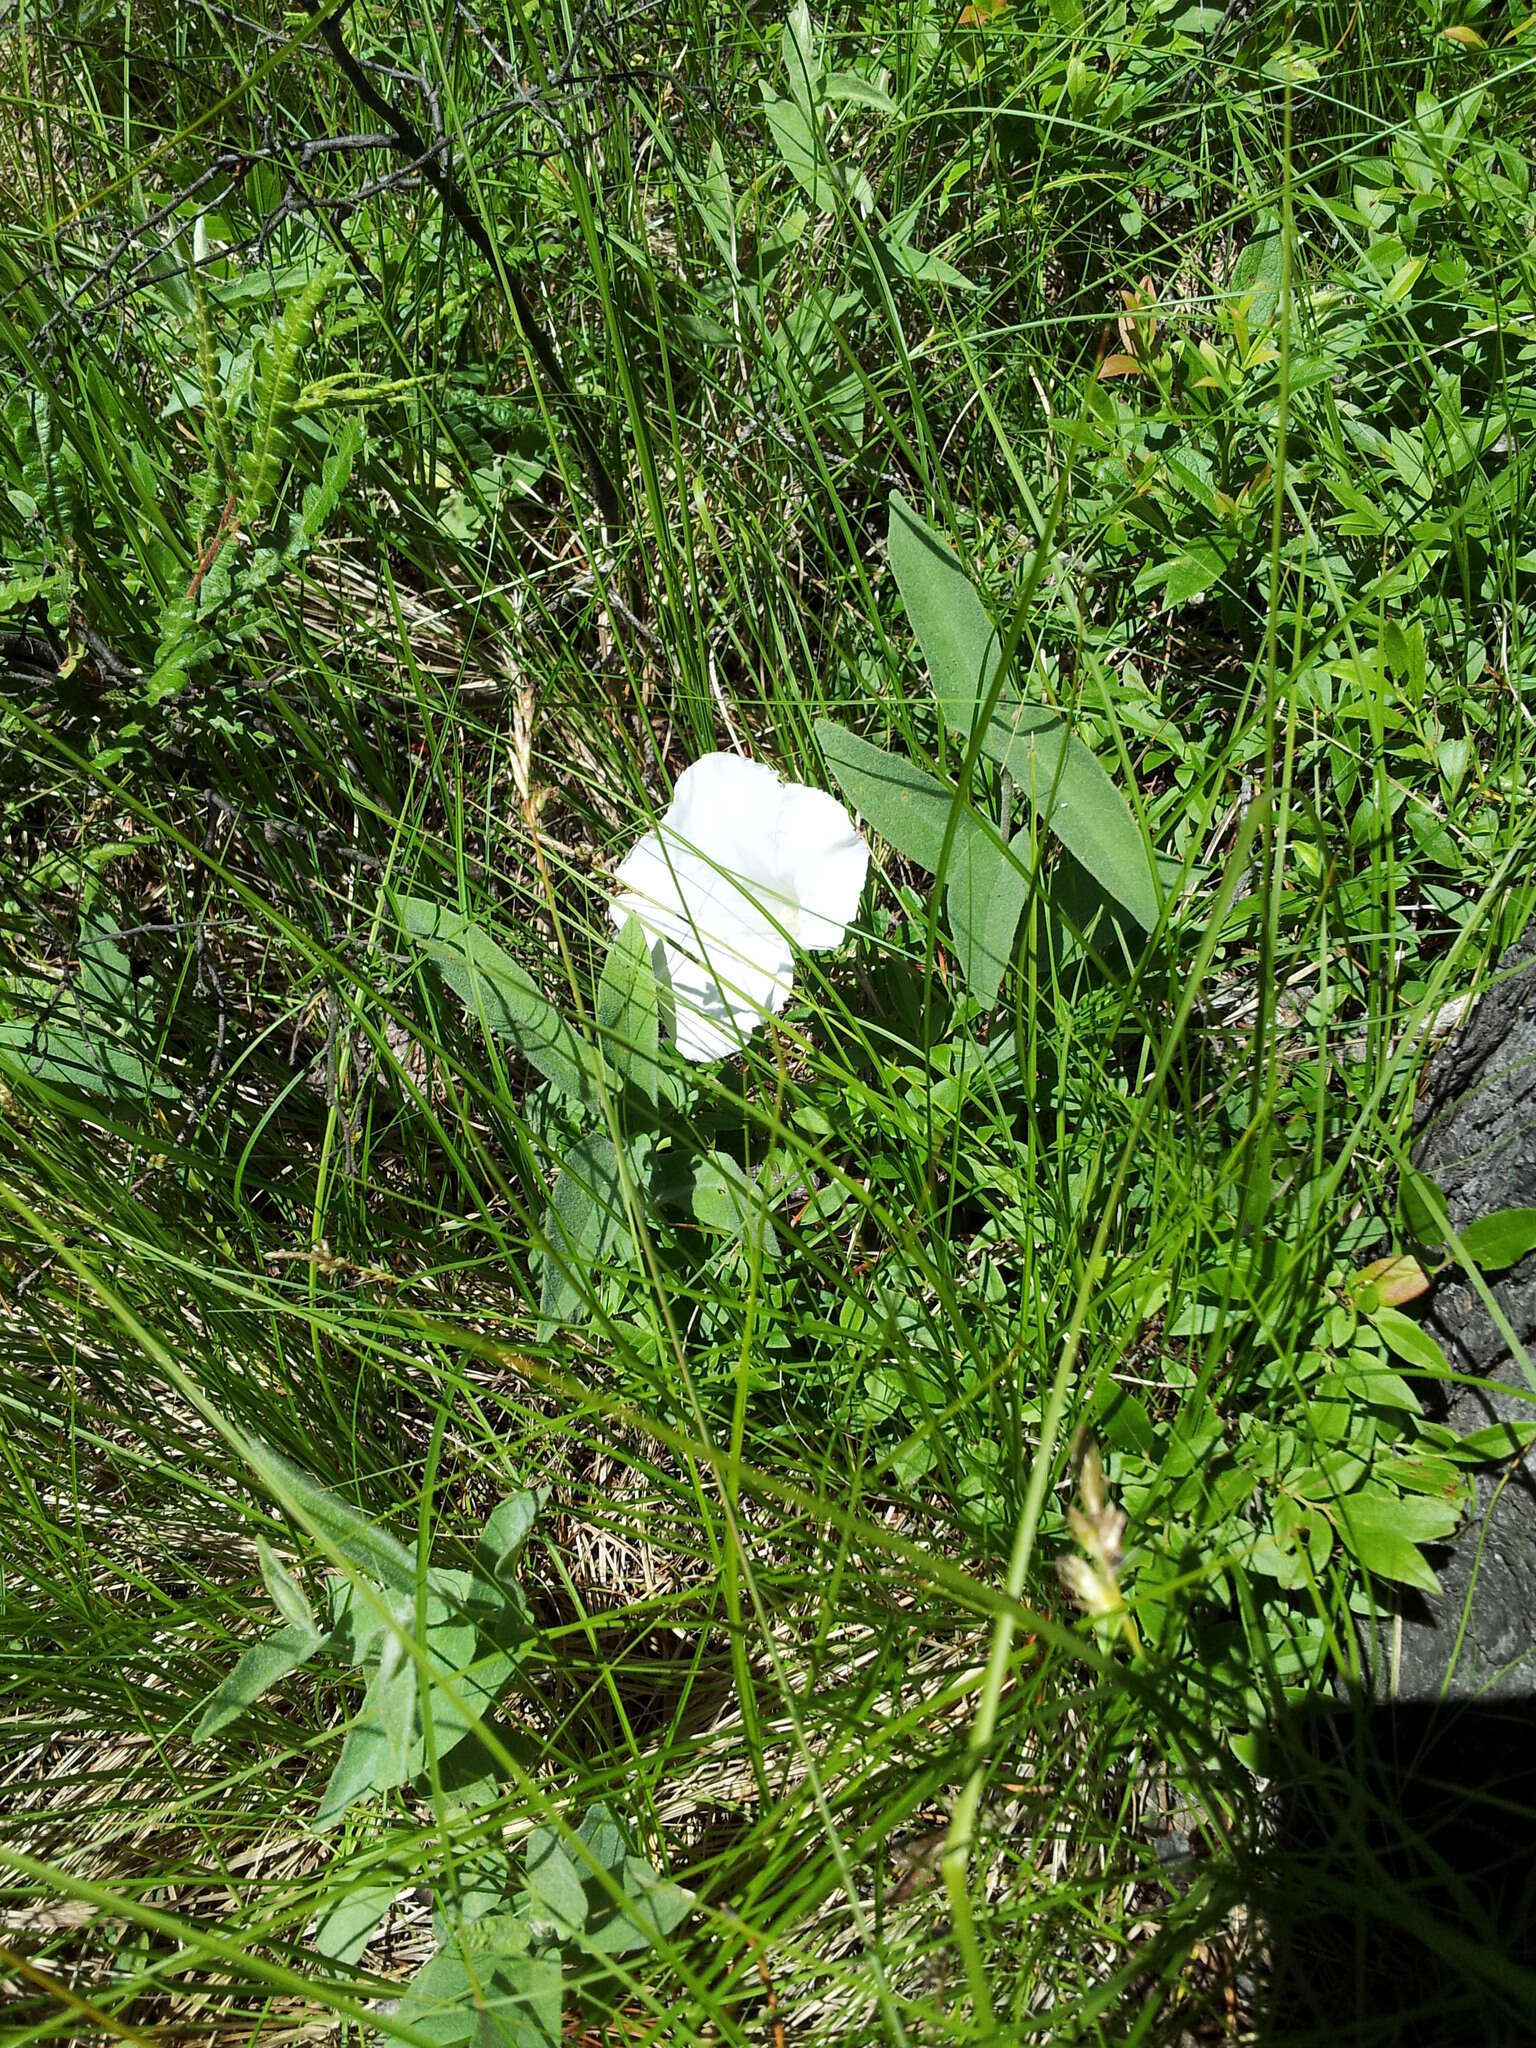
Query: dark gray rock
{"x": 1476, "y": 1137}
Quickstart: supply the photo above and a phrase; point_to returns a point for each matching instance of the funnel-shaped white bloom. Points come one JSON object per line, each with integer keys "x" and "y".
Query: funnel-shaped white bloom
{"x": 742, "y": 868}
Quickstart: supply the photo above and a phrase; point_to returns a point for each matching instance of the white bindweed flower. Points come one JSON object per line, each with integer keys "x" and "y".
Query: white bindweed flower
{"x": 742, "y": 868}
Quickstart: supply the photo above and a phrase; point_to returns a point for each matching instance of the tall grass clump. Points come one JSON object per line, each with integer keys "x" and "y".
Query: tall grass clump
{"x": 514, "y": 1535}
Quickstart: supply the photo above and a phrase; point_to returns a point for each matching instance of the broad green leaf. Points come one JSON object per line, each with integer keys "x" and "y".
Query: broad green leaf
{"x": 349, "y": 1927}
{"x": 495, "y": 989}
{"x": 604, "y": 1838}
{"x": 108, "y": 992}
{"x": 287, "y": 1594}
{"x": 1499, "y": 1440}
{"x": 804, "y": 155}
{"x": 376, "y": 1754}
{"x": 653, "y": 1907}
{"x": 921, "y": 265}
{"x": 1069, "y": 791}
{"x": 259, "y": 1669}
{"x": 723, "y": 1198}
{"x": 628, "y": 1009}
{"x": 1121, "y": 1417}
{"x": 1256, "y": 279}
{"x": 984, "y": 899}
{"x": 986, "y": 885}
{"x": 850, "y": 87}
{"x": 554, "y": 1881}
{"x": 1409, "y": 1341}
{"x": 1421, "y": 1204}
{"x": 957, "y": 639}
{"x": 1364, "y": 1373}
{"x": 1051, "y": 767}
{"x": 91, "y": 1063}
{"x": 801, "y": 57}
{"x": 586, "y": 1226}
{"x": 904, "y": 804}
{"x": 344, "y": 1529}
{"x": 502, "y": 1539}
{"x": 1500, "y": 1239}
{"x": 493, "y": 2000}
{"x": 1384, "y": 1532}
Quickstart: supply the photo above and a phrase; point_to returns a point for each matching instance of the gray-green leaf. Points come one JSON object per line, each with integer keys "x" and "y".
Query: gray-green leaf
{"x": 628, "y": 1009}
{"x": 259, "y": 1669}
{"x": 986, "y": 892}
{"x": 349, "y": 1927}
{"x": 957, "y": 639}
{"x": 905, "y": 805}
{"x": 346, "y": 1530}
{"x": 586, "y": 1225}
{"x": 491, "y": 985}
{"x": 1072, "y": 795}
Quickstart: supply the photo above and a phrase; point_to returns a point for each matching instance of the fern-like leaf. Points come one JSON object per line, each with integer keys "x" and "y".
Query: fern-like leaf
{"x": 273, "y": 441}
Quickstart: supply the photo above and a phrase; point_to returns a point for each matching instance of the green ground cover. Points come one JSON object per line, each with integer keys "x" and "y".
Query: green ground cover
{"x": 510, "y": 1535}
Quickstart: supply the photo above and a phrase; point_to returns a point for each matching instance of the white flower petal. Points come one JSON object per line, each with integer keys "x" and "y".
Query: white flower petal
{"x": 739, "y": 866}
{"x": 824, "y": 861}
{"x": 721, "y": 996}
{"x": 727, "y": 809}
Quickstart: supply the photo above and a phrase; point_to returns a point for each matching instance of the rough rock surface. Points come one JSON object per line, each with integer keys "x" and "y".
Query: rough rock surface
{"x": 1476, "y": 1136}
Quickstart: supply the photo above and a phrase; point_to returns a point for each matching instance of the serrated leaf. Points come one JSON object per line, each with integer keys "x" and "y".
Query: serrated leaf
{"x": 259, "y": 1669}
{"x": 349, "y": 1927}
{"x": 492, "y": 987}
{"x": 1500, "y": 1239}
{"x": 628, "y": 1010}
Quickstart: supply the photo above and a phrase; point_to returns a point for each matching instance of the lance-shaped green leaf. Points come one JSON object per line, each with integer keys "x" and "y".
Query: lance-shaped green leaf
{"x": 1071, "y": 794}
{"x": 259, "y": 1669}
{"x": 908, "y": 807}
{"x": 1054, "y": 770}
{"x": 491, "y": 985}
{"x": 376, "y": 1754}
{"x": 958, "y": 640}
{"x": 587, "y": 1224}
{"x": 985, "y": 896}
{"x": 628, "y": 1009}
{"x": 986, "y": 884}
{"x": 343, "y": 1529}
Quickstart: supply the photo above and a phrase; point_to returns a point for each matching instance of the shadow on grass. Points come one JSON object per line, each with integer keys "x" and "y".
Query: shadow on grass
{"x": 1398, "y": 1894}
